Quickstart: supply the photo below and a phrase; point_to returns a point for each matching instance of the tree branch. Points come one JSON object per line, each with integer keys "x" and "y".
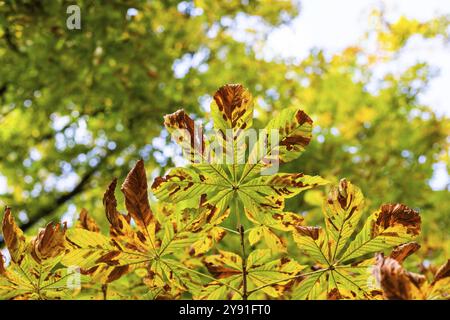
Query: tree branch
{"x": 61, "y": 200}
{"x": 10, "y": 42}
{"x": 244, "y": 264}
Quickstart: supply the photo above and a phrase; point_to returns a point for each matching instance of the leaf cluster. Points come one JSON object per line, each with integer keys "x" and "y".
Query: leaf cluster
{"x": 177, "y": 249}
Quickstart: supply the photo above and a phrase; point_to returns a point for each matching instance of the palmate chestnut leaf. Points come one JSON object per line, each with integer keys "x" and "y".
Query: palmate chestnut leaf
{"x": 151, "y": 245}
{"x": 35, "y": 271}
{"x": 265, "y": 276}
{"x": 341, "y": 250}
{"x": 177, "y": 249}
{"x": 400, "y": 284}
{"x": 221, "y": 172}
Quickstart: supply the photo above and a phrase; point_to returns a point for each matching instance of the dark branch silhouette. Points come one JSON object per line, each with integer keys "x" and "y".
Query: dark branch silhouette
{"x": 64, "y": 198}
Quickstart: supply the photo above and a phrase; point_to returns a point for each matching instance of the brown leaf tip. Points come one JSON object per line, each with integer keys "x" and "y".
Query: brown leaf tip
{"x": 86, "y": 222}
{"x": 401, "y": 252}
{"x": 13, "y": 236}
{"x": 157, "y": 182}
{"x": 110, "y": 203}
{"x": 312, "y": 232}
{"x": 136, "y": 180}
{"x": 179, "y": 119}
{"x": 395, "y": 281}
{"x": 7, "y": 216}
{"x": 2, "y": 265}
{"x": 334, "y": 294}
{"x": 302, "y": 117}
{"x": 443, "y": 272}
{"x": 109, "y": 193}
{"x": 134, "y": 189}
{"x": 340, "y": 193}
{"x": 392, "y": 214}
{"x": 138, "y": 170}
{"x": 50, "y": 242}
{"x": 112, "y": 186}
{"x": 231, "y": 97}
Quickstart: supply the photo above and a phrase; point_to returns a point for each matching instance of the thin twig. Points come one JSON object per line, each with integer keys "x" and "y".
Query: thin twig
{"x": 230, "y": 230}
{"x": 105, "y": 291}
{"x": 244, "y": 264}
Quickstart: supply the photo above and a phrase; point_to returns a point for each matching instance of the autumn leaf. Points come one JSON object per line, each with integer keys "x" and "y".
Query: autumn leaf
{"x": 14, "y": 237}
{"x": 34, "y": 271}
{"x": 136, "y": 196}
{"x": 165, "y": 250}
{"x": 222, "y": 183}
{"x": 153, "y": 244}
{"x": 400, "y": 284}
{"x": 86, "y": 222}
{"x": 264, "y": 275}
{"x": 341, "y": 252}
{"x": 401, "y": 252}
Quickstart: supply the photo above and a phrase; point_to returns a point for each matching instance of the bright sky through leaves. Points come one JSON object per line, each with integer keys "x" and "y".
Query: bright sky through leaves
{"x": 334, "y": 25}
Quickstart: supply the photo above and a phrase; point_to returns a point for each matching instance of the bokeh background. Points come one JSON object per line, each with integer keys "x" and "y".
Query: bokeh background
{"x": 79, "y": 107}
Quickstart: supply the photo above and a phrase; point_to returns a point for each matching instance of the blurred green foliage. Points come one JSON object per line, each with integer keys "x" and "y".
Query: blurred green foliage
{"x": 79, "y": 107}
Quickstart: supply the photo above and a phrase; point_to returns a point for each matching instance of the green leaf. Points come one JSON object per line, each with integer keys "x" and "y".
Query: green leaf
{"x": 264, "y": 275}
{"x": 158, "y": 246}
{"x": 293, "y": 127}
{"x": 35, "y": 270}
{"x": 89, "y": 248}
{"x": 270, "y": 239}
{"x": 342, "y": 211}
{"x": 270, "y": 191}
{"x": 312, "y": 241}
{"x": 304, "y": 289}
{"x": 232, "y": 108}
{"x": 391, "y": 225}
{"x": 333, "y": 248}
{"x": 187, "y": 135}
{"x": 215, "y": 182}
{"x": 185, "y": 183}
{"x": 14, "y": 237}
